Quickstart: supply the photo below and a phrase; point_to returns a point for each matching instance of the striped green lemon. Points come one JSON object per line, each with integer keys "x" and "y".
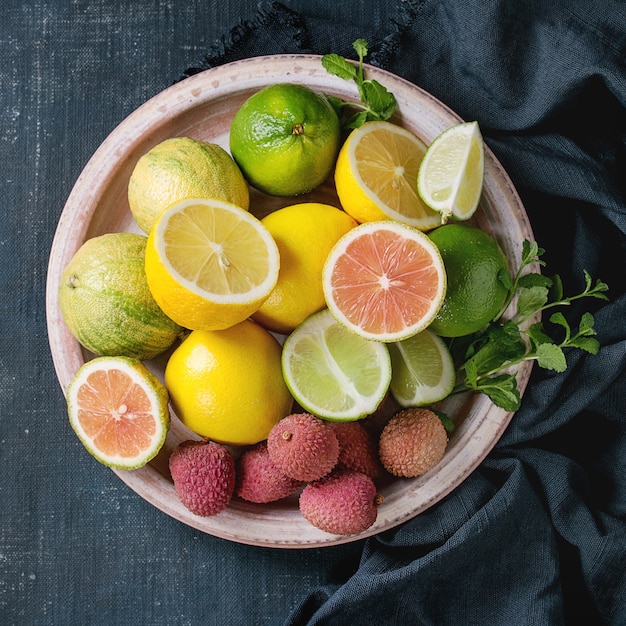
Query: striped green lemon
{"x": 179, "y": 168}
{"x": 106, "y": 302}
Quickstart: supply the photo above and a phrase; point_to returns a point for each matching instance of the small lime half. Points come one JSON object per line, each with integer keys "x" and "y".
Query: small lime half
{"x": 422, "y": 370}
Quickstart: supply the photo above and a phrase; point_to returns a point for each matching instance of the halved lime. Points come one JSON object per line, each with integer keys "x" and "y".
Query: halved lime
{"x": 450, "y": 177}
{"x": 422, "y": 370}
{"x": 332, "y": 372}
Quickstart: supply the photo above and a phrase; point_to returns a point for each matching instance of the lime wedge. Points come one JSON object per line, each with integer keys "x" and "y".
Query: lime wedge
{"x": 423, "y": 370}
{"x": 450, "y": 177}
{"x": 332, "y": 372}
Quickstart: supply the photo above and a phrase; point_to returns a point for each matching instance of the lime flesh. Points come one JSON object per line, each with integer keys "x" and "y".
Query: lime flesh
{"x": 332, "y": 372}
{"x": 423, "y": 370}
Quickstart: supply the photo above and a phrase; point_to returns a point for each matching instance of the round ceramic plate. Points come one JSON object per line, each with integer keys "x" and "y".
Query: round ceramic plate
{"x": 202, "y": 107}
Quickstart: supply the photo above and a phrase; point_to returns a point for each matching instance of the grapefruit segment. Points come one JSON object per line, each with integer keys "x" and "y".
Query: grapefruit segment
{"x": 384, "y": 280}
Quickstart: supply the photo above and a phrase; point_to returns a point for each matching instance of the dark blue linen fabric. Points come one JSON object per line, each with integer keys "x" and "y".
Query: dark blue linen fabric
{"x": 537, "y": 534}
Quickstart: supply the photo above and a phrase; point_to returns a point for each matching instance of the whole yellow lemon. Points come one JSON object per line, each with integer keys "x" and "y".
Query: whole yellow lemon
{"x": 304, "y": 233}
{"x": 227, "y": 385}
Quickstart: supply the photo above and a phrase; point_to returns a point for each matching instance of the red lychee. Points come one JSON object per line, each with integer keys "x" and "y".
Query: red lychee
{"x": 342, "y": 503}
{"x": 259, "y": 480}
{"x": 303, "y": 447}
{"x": 204, "y": 476}
{"x": 357, "y": 449}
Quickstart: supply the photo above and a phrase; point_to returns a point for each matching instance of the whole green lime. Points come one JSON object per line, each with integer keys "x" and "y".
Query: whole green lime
{"x": 473, "y": 260}
{"x": 285, "y": 138}
{"x": 106, "y": 302}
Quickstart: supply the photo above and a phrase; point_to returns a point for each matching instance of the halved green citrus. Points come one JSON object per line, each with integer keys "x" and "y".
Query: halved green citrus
{"x": 118, "y": 408}
{"x": 450, "y": 177}
{"x": 332, "y": 372}
{"x": 422, "y": 370}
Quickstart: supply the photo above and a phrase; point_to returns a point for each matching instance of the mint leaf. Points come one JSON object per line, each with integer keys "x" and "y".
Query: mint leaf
{"x": 377, "y": 103}
{"x": 551, "y": 357}
{"x": 379, "y": 99}
{"x": 530, "y": 301}
{"x": 588, "y": 344}
{"x": 537, "y": 335}
{"x": 338, "y": 66}
{"x": 483, "y": 357}
{"x": 361, "y": 48}
{"x": 534, "y": 280}
{"x": 503, "y": 391}
{"x": 446, "y": 420}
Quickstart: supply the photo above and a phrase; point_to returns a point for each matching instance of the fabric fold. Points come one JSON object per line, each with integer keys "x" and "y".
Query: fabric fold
{"x": 537, "y": 534}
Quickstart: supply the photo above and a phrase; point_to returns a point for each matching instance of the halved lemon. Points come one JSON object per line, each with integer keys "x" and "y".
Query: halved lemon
{"x": 210, "y": 264}
{"x": 376, "y": 176}
{"x": 384, "y": 280}
{"x": 118, "y": 409}
{"x": 450, "y": 178}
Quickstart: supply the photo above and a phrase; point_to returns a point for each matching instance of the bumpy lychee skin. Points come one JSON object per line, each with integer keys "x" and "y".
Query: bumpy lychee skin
{"x": 259, "y": 480}
{"x": 203, "y": 475}
{"x": 357, "y": 449}
{"x": 342, "y": 503}
{"x": 412, "y": 442}
{"x": 303, "y": 447}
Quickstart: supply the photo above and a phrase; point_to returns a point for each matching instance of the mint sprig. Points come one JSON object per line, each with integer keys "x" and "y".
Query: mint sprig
{"x": 376, "y": 102}
{"x": 484, "y": 357}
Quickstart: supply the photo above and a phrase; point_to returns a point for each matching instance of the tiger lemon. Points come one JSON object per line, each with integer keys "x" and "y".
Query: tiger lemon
{"x": 182, "y": 167}
{"x": 106, "y": 302}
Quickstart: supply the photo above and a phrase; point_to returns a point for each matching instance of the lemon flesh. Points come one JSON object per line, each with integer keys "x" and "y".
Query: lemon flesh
{"x": 332, "y": 372}
{"x": 422, "y": 370}
{"x": 210, "y": 264}
{"x": 376, "y": 176}
{"x": 450, "y": 178}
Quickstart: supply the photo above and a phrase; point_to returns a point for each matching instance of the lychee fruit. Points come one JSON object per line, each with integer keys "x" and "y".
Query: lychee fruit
{"x": 412, "y": 442}
{"x": 342, "y": 503}
{"x": 204, "y": 476}
{"x": 357, "y": 448}
{"x": 259, "y": 480}
{"x": 303, "y": 446}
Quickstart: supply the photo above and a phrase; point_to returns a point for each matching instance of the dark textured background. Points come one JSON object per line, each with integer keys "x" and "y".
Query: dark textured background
{"x": 536, "y": 535}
